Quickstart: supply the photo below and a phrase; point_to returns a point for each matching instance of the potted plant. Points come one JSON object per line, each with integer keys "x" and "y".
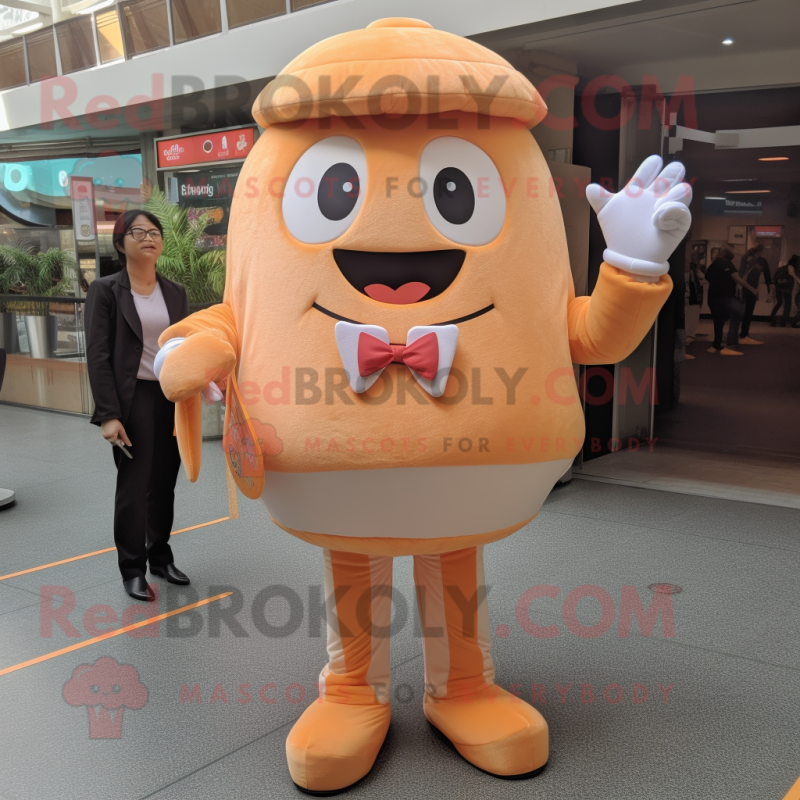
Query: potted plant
{"x": 183, "y": 260}
{"x": 44, "y": 274}
{"x": 200, "y": 270}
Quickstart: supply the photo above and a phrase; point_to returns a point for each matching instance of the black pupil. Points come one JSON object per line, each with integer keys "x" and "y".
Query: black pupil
{"x": 338, "y": 191}
{"x": 453, "y": 195}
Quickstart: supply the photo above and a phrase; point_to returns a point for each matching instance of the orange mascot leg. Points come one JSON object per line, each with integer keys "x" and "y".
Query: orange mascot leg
{"x": 337, "y": 738}
{"x": 492, "y": 729}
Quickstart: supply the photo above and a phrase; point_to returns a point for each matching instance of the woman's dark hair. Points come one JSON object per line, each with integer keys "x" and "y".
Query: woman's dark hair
{"x": 124, "y": 223}
{"x": 792, "y": 262}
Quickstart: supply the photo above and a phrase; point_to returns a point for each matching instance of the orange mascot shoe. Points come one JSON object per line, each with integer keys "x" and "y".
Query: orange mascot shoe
{"x": 494, "y": 730}
{"x": 401, "y": 310}
{"x": 334, "y": 745}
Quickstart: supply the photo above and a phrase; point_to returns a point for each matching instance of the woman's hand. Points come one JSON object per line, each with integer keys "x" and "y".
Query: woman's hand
{"x": 112, "y": 430}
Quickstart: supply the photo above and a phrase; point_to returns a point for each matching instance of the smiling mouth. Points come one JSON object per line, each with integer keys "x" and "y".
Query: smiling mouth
{"x": 400, "y": 278}
{"x": 457, "y": 321}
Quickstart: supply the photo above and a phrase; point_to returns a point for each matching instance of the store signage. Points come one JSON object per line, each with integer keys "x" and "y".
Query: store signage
{"x": 717, "y": 206}
{"x": 82, "y": 194}
{"x": 208, "y": 192}
{"x": 205, "y": 148}
{"x": 206, "y": 185}
{"x": 768, "y": 231}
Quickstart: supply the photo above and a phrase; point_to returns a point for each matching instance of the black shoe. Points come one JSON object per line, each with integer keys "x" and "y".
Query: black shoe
{"x": 138, "y": 589}
{"x": 171, "y": 573}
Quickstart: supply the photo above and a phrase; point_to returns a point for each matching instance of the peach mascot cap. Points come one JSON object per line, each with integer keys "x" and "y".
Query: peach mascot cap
{"x": 397, "y": 66}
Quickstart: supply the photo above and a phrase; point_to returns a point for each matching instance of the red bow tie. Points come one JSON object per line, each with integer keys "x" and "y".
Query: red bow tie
{"x": 422, "y": 355}
{"x": 428, "y": 352}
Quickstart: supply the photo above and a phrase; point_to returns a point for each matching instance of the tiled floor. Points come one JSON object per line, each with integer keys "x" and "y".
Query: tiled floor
{"x": 768, "y": 480}
{"x": 735, "y": 434}
{"x": 709, "y": 713}
{"x": 743, "y": 404}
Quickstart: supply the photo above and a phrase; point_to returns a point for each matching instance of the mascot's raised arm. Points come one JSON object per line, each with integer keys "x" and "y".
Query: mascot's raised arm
{"x": 396, "y": 342}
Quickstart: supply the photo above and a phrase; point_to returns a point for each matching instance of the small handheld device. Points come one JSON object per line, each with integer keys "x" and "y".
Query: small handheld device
{"x": 119, "y": 443}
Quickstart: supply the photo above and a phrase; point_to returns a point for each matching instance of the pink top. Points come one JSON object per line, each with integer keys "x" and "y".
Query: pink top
{"x": 153, "y": 315}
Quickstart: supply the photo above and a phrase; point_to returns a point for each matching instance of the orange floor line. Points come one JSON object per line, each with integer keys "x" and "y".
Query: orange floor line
{"x": 110, "y": 634}
{"x": 98, "y": 552}
{"x": 794, "y": 792}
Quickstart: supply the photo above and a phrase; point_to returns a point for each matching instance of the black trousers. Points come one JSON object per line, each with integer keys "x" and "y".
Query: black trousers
{"x": 722, "y": 310}
{"x": 143, "y": 508}
{"x": 749, "y": 301}
{"x": 783, "y": 299}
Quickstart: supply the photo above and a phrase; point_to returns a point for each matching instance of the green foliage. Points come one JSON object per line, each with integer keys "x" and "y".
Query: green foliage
{"x": 6, "y": 279}
{"x": 45, "y": 274}
{"x": 202, "y": 273}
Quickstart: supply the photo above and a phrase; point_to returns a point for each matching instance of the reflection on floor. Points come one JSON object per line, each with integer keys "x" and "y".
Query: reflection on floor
{"x": 748, "y": 403}
{"x": 735, "y": 433}
{"x": 707, "y": 710}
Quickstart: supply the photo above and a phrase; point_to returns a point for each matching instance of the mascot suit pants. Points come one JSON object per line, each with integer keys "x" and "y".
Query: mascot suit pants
{"x": 459, "y": 675}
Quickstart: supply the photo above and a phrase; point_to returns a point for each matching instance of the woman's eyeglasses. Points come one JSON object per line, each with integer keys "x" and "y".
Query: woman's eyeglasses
{"x": 140, "y": 234}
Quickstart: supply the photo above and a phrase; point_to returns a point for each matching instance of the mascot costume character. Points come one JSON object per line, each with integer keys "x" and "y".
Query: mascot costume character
{"x": 397, "y": 341}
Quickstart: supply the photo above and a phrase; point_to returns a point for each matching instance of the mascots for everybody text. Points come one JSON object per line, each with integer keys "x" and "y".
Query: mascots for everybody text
{"x": 397, "y": 340}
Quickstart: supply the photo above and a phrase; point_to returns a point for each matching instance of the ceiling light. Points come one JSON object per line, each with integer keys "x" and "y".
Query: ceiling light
{"x": 749, "y": 191}
{"x": 96, "y": 7}
{"x": 29, "y": 29}
{"x": 775, "y": 158}
{"x": 727, "y": 41}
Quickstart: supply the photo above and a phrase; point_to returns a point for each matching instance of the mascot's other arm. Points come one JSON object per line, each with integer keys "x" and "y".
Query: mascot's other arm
{"x": 608, "y": 326}
{"x": 642, "y": 225}
{"x": 195, "y": 354}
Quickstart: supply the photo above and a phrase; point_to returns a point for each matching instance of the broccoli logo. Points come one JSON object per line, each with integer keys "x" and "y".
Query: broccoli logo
{"x": 106, "y": 688}
{"x": 268, "y": 440}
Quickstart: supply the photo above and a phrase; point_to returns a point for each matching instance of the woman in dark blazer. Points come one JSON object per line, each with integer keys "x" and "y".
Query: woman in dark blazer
{"x": 125, "y": 314}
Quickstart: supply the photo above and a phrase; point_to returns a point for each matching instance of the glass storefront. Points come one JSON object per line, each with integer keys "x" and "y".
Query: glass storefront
{"x": 69, "y": 206}
{"x": 49, "y": 254}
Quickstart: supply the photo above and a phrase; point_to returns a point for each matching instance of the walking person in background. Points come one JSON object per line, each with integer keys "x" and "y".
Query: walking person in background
{"x": 125, "y": 314}
{"x": 722, "y": 278}
{"x": 694, "y": 299}
{"x": 753, "y": 266}
{"x": 748, "y": 257}
{"x": 786, "y": 279}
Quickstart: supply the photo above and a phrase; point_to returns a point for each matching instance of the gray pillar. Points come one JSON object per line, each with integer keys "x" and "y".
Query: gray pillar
{"x": 147, "y": 143}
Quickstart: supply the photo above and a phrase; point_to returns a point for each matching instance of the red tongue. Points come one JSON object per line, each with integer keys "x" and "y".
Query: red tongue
{"x": 407, "y": 293}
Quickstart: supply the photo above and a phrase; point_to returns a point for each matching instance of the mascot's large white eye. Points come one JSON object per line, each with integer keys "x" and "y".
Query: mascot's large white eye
{"x": 325, "y": 190}
{"x": 462, "y": 191}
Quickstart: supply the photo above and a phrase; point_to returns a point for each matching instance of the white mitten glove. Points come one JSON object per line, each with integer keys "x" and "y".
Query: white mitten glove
{"x": 211, "y": 393}
{"x": 645, "y": 222}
